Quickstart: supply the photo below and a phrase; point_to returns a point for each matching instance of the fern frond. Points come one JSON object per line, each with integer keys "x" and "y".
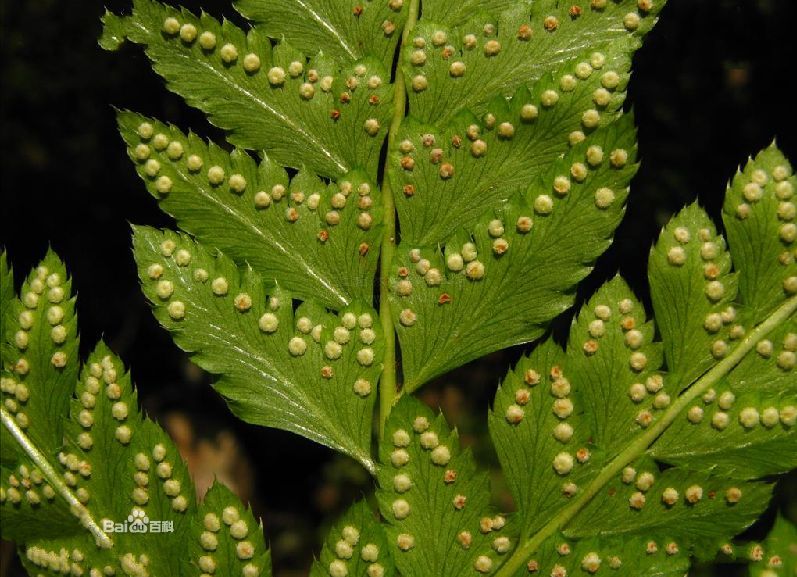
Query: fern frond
{"x": 310, "y": 372}
{"x": 682, "y": 270}
{"x": 40, "y": 352}
{"x": 499, "y": 283}
{"x": 318, "y": 114}
{"x": 759, "y": 215}
{"x": 445, "y": 178}
{"x": 7, "y": 301}
{"x": 777, "y": 554}
{"x": 673, "y": 513}
{"x": 226, "y": 539}
{"x": 319, "y": 241}
{"x": 435, "y": 503}
{"x": 758, "y": 231}
{"x": 608, "y": 555}
{"x": 494, "y": 53}
{"x": 563, "y": 439}
{"x": 486, "y": 150}
{"x": 106, "y": 492}
{"x": 347, "y": 31}
{"x": 448, "y": 14}
{"x": 355, "y": 546}
{"x": 603, "y": 423}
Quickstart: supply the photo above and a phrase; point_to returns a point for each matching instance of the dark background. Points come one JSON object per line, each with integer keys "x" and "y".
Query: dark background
{"x": 710, "y": 87}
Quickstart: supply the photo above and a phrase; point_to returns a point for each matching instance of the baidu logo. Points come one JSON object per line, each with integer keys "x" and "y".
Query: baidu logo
{"x": 138, "y": 522}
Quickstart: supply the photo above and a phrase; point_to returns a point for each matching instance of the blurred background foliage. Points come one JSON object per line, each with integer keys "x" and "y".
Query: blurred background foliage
{"x": 711, "y": 86}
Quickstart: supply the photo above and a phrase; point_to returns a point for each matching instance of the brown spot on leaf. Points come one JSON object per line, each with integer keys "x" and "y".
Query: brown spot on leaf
{"x": 551, "y": 23}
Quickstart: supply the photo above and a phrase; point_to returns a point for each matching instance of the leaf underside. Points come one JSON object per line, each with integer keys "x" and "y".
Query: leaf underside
{"x": 435, "y": 503}
{"x": 319, "y": 241}
{"x": 279, "y": 100}
{"x": 356, "y": 542}
{"x": 509, "y": 175}
{"x": 306, "y": 87}
{"x": 91, "y": 463}
{"x": 636, "y": 447}
{"x": 691, "y": 441}
{"x": 501, "y": 283}
{"x": 308, "y": 371}
{"x": 777, "y": 554}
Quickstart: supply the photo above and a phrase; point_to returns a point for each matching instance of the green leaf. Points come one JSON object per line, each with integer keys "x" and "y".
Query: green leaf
{"x": 319, "y": 241}
{"x": 121, "y": 466}
{"x": 95, "y": 487}
{"x": 226, "y": 539}
{"x": 571, "y": 413}
{"x": 501, "y": 285}
{"x": 313, "y": 114}
{"x": 435, "y": 502}
{"x": 501, "y": 52}
{"x": 355, "y": 546}
{"x": 614, "y": 362}
{"x": 777, "y": 555}
{"x": 692, "y": 289}
{"x": 7, "y": 299}
{"x": 759, "y": 215}
{"x": 40, "y": 353}
{"x": 699, "y": 328}
{"x": 114, "y": 31}
{"x": 764, "y": 233}
{"x": 625, "y": 556}
{"x": 771, "y": 369}
{"x": 25, "y": 512}
{"x": 445, "y": 178}
{"x": 584, "y": 429}
{"x": 35, "y": 395}
{"x": 94, "y": 471}
{"x": 448, "y": 14}
{"x": 672, "y": 459}
{"x": 132, "y": 482}
{"x": 669, "y": 514}
{"x": 310, "y": 372}
{"x": 760, "y": 390}
{"x": 346, "y": 31}
{"x": 700, "y": 440}
{"x": 529, "y": 428}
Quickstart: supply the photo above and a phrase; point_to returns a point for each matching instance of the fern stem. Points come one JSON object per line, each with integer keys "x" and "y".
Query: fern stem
{"x": 711, "y": 377}
{"x": 40, "y": 460}
{"x": 388, "y": 385}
